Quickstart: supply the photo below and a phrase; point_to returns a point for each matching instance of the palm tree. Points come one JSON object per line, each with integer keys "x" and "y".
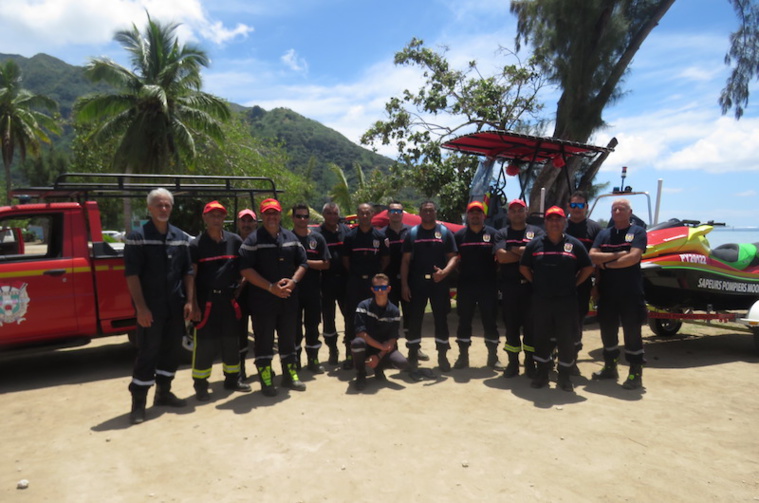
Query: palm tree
{"x": 158, "y": 109}
{"x": 22, "y": 124}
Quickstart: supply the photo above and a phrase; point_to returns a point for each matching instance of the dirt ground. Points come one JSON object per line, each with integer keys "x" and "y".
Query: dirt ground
{"x": 470, "y": 435}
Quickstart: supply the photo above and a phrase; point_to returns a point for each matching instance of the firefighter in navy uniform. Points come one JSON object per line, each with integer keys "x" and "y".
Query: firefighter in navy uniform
{"x": 246, "y": 223}
{"x": 516, "y": 291}
{"x": 585, "y": 230}
{"x": 377, "y": 330}
{"x": 364, "y": 255}
{"x": 477, "y": 285}
{"x": 273, "y": 261}
{"x": 555, "y": 264}
{"x": 215, "y": 261}
{"x": 395, "y": 234}
{"x": 333, "y": 278}
{"x": 429, "y": 256}
{"x": 158, "y": 273}
{"x": 309, "y": 289}
{"x": 617, "y": 252}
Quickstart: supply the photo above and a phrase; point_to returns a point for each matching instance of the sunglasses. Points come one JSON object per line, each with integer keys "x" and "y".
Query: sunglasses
{"x": 395, "y": 212}
{"x": 380, "y": 288}
{"x": 577, "y": 205}
{"x": 302, "y": 217}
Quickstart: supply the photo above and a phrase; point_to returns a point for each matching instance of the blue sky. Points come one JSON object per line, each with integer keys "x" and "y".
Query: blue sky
{"x": 332, "y": 61}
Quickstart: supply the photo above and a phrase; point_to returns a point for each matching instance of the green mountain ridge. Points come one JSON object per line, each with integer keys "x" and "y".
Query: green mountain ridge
{"x": 301, "y": 138}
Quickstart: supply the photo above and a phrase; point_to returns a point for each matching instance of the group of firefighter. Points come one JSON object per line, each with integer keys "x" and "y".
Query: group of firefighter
{"x": 289, "y": 281}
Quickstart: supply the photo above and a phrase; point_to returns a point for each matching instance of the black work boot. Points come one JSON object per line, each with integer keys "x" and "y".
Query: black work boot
{"x": 530, "y": 368}
{"x": 462, "y": 361}
{"x": 512, "y": 369}
{"x": 201, "y": 390}
{"x": 379, "y": 372}
{"x": 164, "y": 397}
{"x": 493, "y": 361}
{"x": 290, "y": 377}
{"x": 360, "y": 380}
{"x": 233, "y": 382}
{"x": 334, "y": 354}
{"x": 423, "y": 357}
{"x": 265, "y": 375}
{"x": 348, "y": 362}
{"x": 243, "y": 373}
{"x": 609, "y": 371}
{"x": 541, "y": 375}
{"x": 442, "y": 360}
{"x": 635, "y": 378}
{"x": 139, "y": 401}
{"x": 413, "y": 358}
{"x": 565, "y": 381}
{"x": 313, "y": 362}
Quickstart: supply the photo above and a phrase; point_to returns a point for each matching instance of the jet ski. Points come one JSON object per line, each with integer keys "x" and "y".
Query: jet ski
{"x": 681, "y": 272}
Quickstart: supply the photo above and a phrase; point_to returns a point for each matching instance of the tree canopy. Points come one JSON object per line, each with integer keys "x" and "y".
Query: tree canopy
{"x": 23, "y": 123}
{"x": 158, "y": 109}
{"x": 451, "y": 102}
{"x": 586, "y": 46}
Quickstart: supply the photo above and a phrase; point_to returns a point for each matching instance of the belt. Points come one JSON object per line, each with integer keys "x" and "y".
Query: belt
{"x": 364, "y": 276}
{"x": 427, "y": 276}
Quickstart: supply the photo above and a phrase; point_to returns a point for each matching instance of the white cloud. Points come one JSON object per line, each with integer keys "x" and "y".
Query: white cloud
{"x": 294, "y": 62}
{"x": 217, "y": 33}
{"x": 746, "y": 193}
{"x": 29, "y": 27}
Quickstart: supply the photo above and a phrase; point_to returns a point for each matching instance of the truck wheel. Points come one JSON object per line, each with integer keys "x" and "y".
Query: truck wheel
{"x": 664, "y": 327}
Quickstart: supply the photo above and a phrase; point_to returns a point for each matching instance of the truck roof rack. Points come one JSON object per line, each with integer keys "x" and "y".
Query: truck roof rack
{"x": 77, "y": 186}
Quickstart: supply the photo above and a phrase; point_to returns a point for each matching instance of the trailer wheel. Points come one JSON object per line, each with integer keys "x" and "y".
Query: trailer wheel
{"x": 664, "y": 327}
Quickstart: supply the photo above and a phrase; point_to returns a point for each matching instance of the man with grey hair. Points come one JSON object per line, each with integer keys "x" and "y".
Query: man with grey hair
{"x": 617, "y": 252}
{"x": 159, "y": 276}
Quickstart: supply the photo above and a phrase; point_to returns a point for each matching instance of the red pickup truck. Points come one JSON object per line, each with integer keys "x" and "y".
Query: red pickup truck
{"x": 61, "y": 284}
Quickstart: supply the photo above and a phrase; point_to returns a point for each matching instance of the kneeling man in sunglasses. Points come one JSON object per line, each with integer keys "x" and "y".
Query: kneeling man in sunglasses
{"x": 377, "y": 322}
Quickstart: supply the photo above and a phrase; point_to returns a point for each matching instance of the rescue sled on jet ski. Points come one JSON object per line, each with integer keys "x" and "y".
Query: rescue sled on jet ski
{"x": 682, "y": 273}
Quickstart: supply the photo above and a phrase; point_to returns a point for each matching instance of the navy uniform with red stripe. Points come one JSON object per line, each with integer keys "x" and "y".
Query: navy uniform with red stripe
{"x": 621, "y": 296}
{"x": 333, "y": 282}
{"x": 271, "y": 259}
{"x": 516, "y": 299}
{"x": 477, "y": 286}
{"x": 428, "y": 253}
{"x": 554, "y": 267}
{"x": 364, "y": 255}
{"x": 309, "y": 297}
{"x": 216, "y": 281}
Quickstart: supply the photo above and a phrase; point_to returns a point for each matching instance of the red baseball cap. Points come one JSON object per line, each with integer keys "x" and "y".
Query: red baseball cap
{"x": 214, "y": 205}
{"x": 475, "y": 205}
{"x": 518, "y": 202}
{"x": 270, "y": 204}
{"x": 555, "y": 210}
{"x": 246, "y": 212}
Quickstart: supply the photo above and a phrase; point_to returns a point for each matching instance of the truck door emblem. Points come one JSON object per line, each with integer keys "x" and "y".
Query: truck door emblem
{"x": 13, "y": 303}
